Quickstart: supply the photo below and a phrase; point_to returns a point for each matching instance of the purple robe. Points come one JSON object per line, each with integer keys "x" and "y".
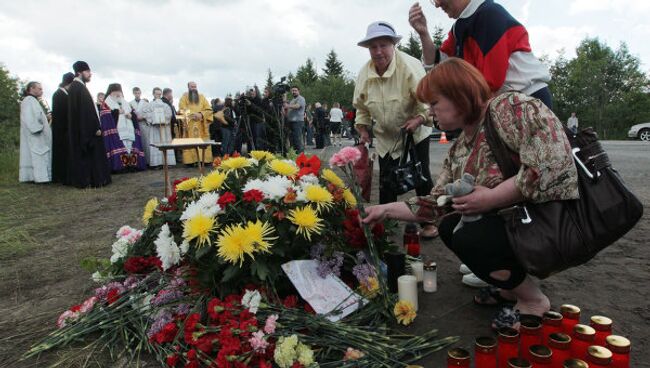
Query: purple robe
{"x": 118, "y": 157}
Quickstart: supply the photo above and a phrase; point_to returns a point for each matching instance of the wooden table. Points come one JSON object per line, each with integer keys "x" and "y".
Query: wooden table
{"x": 181, "y": 145}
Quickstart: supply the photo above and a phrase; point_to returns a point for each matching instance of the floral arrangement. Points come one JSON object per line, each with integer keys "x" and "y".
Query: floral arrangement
{"x": 201, "y": 285}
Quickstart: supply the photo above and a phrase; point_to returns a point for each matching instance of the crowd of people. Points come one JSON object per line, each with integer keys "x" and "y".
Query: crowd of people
{"x": 483, "y": 73}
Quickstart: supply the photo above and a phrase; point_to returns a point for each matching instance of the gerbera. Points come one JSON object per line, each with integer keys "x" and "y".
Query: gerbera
{"x": 307, "y": 220}
{"x": 350, "y": 199}
{"x": 199, "y": 227}
{"x": 188, "y": 184}
{"x": 318, "y": 195}
{"x": 331, "y": 176}
{"x": 404, "y": 312}
{"x": 148, "y": 210}
{"x": 370, "y": 287}
{"x": 235, "y": 163}
{"x": 284, "y": 167}
{"x": 259, "y": 233}
{"x": 262, "y": 155}
{"x": 213, "y": 181}
{"x": 233, "y": 243}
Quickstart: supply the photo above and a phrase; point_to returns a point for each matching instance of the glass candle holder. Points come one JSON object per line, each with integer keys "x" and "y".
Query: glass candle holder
{"x": 458, "y": 357}
{"x": 560, "y": 345}
{"x": 551, "y": 323}
{"x": 583, "y": 337}
{"x": 485, "y": 352}
{"x": 518, "y": 363}
{"x": 575, "y": 363}
{"x": 570, "y": 317}
{"x": 430, "y": 277}
{"x": 603, "y": 327}
{"x": 620, "y": 348}
{"x": 531, "y": 334}
{"x": 599, "y": 357}
{"x": 508, "y": 346}
{"x": 407, "y": 289}
{"x": 540, "y": 356}
{"x": 417, "y": 269}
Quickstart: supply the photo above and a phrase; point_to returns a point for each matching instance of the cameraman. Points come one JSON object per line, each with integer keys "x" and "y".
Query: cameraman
{"x": 257, "y": 125}
{"x": 296, "y": 118}
{"x": 229, "y": 130}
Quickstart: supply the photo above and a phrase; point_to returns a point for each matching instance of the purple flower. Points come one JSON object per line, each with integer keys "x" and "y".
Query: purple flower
{"x": 166, "y": 296}
{"x": 162, "y": 318}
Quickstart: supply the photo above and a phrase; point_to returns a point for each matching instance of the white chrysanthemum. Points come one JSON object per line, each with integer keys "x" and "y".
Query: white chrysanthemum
{"x": 300, "y": 194}
{"x": 251, "y": 300}
{"x": 185, "y": 246}
{"x": 166, "y": 248}
{"x": 120, "y": 249}
{"x": 275, "y": 187}
{"x": 253, "y": 161}
{"x": 308, "y": 179}
{"x": 206, "y": 205}
{"x": 256, "y": 184}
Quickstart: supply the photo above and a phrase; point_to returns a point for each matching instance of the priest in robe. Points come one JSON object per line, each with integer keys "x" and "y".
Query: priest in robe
{"x": 122, "y": 136}
{"x": 138, "y": 105}
{"x": 35, "y": 162}
{"x": 87, "y": 163}
{"x": 60, "y": 139}
{"x": 198, "y": 111}
{"x": 159, "y": 116}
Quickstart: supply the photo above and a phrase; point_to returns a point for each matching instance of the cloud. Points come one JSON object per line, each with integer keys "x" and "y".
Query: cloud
{"x": 549, "y": 40}
{"x": 631, "y": 7}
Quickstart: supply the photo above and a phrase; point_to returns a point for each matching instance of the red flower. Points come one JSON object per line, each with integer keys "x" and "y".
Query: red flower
{"x": 290, "y": 302}
{"x": 112, "y": 296}
{"x": 193, "y": 329}
{"x": 166, "y": 334}
{"x": 226, "y": 198}
{"x": 172, "y": 360}
{"x": 253, "y": 195}
{"x": 297, "y": 365}
{"x": 215, "y": 307}
{"x": 141, "y": 265}
{"x": 307, "y": 165}
{"x": 192, "y": 364}
{"x": 191, "y": 354}
{"x": 75, "y": 308}
{"x": 309, "y": 309}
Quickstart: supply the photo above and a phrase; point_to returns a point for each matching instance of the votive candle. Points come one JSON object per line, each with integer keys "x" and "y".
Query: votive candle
{"x": 407, "y": 289}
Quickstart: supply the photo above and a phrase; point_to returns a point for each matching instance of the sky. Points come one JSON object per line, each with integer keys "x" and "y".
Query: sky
{"x": 226, "y": 46}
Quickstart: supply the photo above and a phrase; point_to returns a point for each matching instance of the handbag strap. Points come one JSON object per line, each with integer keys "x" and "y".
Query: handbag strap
{"x": 408, "y": 148}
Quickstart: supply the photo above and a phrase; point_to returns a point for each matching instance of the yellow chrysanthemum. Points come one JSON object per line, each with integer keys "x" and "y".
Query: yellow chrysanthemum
{"x": 331, "y": 176}
{"x": 318, "y": 195}
{"x": 404, "y": 312}
{"x": 349, "y": 197}
{"x": 148, "y": 210}
{"x": 259, "y": 233}
{"x": 284, "y": 167}
{"x": 233, "y": 242}
{"x": 262, "y": 155}
{"x": 369, "y": 288}
{"x": 213, "y": 181}
{"x": 188, "y": 184}
{"x": 199, "y": 227}
{"x": 235, "y": 163}
{"x": 307, "y": 220}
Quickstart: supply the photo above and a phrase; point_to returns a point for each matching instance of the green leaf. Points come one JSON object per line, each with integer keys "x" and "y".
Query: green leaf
{"x": 229, "y": 273}
{"x": 262, "y": 270}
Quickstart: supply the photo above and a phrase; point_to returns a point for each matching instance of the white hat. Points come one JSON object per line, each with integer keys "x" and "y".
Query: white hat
{"x": 379, "y": 29}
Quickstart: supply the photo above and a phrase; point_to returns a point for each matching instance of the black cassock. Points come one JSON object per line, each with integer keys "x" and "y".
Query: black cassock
{"x": 60, "y": 139}
{"x": 87, "y": 162}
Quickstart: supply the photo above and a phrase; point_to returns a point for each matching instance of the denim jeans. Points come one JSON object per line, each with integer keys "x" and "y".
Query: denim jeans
{"x": 310, "y": 135}
{"x": 227, "y": 141}
{"x": 297, "y": 132}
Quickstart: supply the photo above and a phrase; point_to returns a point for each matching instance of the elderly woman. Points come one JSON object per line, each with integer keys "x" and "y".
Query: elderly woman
{"x": 460, "y": 98}
{"x": 385, "y": 92}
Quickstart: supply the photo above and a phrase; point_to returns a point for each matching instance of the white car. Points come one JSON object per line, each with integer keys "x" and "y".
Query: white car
{"x": 640, "y": 131}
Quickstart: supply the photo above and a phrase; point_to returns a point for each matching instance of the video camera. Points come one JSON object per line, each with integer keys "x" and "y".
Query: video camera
{"x": 280, "y": 88}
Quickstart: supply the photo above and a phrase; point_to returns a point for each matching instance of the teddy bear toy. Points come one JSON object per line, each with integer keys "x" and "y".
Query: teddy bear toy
{"x": 459, "y": 188}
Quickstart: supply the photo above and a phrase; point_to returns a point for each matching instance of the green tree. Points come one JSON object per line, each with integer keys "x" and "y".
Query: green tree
{"x": 269, "y": 80}
{"x": 412, "y": 47}
{"x": 438, "y": 35}
{"x": 333, "y": 66}
{"x": 307, "y": 74}
{"x": 10, "y": 125}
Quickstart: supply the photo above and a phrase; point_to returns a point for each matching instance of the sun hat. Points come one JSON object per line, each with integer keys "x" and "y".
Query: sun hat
{"x": 379, "y": 29}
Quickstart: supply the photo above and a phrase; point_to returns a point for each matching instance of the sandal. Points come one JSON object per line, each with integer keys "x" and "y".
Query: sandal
{"x": 511, "y": 318}
{"x": 491, "y": 295}
{"x": 429, "y": 232}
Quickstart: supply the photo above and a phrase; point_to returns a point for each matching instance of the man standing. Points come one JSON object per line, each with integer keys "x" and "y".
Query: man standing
{"x": 168, "y": 99}
{"x": 488, "y": 37}
{"x": 100, "y": 100}
{"x": 159, "y": 116}
{"x": 296, "y": 119}
{"x": 138, "y": 106}
{"x": 88, "y": 165}
{"x": 572, "y": 123}
{"x": 60, "y": 139}
{"x": 35, "y": 138}
{"x": 198, "y": 112}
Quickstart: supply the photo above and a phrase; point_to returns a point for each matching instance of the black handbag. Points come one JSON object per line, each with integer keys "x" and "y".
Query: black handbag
{"x": 550, "y": 237}
{"x": 407, "y": 175}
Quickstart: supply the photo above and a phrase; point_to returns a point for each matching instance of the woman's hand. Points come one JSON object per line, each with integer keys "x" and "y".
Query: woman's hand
{"x": 481, "y": 200}
{"x": 412, "y": 124}
{"x": 376, "y": 214}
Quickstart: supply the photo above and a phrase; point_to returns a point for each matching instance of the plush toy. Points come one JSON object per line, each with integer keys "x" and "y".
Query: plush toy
{"x": 459, "y": 188}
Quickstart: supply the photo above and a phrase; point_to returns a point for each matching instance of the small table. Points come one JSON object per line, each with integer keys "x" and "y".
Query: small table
{"x": 183, "y": 143}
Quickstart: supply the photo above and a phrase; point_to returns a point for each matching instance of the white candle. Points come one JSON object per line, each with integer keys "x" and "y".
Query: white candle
{"x": 418, "y": 270}
{"x": 407, "y": 289}
{"x": 430, "y": 282}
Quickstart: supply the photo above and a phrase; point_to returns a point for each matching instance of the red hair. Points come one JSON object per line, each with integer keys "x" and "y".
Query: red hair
{"x": 460, "y": 82}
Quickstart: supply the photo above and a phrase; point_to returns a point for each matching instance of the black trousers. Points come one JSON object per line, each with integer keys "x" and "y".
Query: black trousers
{"x": 484, "y": 247}
{"x": 387, "y": 163}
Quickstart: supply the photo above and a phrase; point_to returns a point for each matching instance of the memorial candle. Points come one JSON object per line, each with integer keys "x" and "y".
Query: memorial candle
{"x": 407, "y": 289}
{"x": 620, "y": 348}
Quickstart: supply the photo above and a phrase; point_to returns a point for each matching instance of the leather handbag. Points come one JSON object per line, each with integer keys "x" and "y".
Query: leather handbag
{"x": 407, "y": 175}
{"x": 550, "y": 237}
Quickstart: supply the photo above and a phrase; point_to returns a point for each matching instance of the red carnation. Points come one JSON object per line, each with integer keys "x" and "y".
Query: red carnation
{"x": 112, "y": 296}
{"x": 290, "y": 302}
{"x": 172, "y": 360}
{"x": 253, "y": 195}
{"x": 226, "y": 198}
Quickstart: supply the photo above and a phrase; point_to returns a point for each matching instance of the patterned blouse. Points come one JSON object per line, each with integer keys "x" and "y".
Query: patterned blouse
{"x": 547, "y": 170}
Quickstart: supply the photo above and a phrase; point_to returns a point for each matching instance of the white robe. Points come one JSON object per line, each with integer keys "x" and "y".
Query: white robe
{"x": 139, "y": 107}
{"x": 125, "y": 128}
{"x": 35, "y": 143}
{"x": 159, "y": 116}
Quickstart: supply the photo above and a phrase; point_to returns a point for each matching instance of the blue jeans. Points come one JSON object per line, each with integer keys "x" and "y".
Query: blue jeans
{"x": 227, "y": 141}
{"x": 310, "y": 134}
{"x": 297, "y": 131}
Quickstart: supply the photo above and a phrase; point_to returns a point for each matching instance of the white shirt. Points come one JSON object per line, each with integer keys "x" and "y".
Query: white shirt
{"x": 336, "y": 115}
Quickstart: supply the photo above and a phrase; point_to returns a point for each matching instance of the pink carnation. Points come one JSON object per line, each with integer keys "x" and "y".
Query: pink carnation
{"x": 257, "y": 341}
{"x": 347, "y": 155}
{"x": 87, "y": 305}
{"x": 269, "y": 326}
{"x": 67, "y": 316}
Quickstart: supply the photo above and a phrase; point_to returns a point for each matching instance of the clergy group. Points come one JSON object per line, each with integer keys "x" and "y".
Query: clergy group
{"x": 81, "y": 143}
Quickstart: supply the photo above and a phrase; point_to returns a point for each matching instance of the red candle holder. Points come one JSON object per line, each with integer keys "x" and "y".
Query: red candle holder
{"x": 485, "y": 352}
{"x": 518, "y": 363}
{"x": 508, "y": 346}
{"x": 413, "y": 249}
{"x": 599, "y": 357}
{"x": 540, "y": 356}
{"x": 603, "y": 327}
{"x": 583, "y": 337}
{"x": 531, "y": 334}
{"x": 570, "y": 317}
{"x": 458, "y": 357}
{"x": 551, "y": 323}
{"x": 560, "y": 345}
{"x": 575, "y": 363}
{"x": 620, "y": 348}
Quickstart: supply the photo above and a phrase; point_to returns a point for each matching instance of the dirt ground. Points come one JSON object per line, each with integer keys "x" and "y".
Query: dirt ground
{"x": 46, "y": 230}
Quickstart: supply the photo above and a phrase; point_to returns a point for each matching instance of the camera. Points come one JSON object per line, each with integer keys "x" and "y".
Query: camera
{"x": 281, "y": 87}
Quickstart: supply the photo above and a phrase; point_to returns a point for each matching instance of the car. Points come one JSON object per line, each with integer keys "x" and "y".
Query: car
{"x": 640, "y": 131}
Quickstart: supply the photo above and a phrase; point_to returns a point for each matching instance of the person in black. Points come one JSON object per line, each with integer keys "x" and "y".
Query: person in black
{"x": 256, "y": 118}
{"x": 88, "y": 166}
{"x": 215, "y": 131}
{"x": 320, "y": 125}
{"x": 229, "y": 130}
{"x": 60, "y": 139}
